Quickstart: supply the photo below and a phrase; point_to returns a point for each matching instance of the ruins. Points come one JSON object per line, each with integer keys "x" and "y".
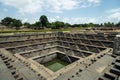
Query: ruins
{"x": 60, "y": 56}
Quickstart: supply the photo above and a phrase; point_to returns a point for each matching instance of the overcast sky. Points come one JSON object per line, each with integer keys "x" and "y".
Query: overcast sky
{"x": 71, "y": 11}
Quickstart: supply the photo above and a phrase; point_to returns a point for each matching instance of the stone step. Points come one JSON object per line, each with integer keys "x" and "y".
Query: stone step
{"x": 118, "y": 60}
{"x": 20, "y": 78}
{"x": 10, "y": 66}
{"x": 103, "y": 78}
{"x": 115, "y": 71}
{"x": 7, "y": 64}
{"x": 109, "y": 75}
{"x": 13, "y": 72}
{"x": 117, "y": 65}
{"x": 5, "y": 58}
{"x": 16, "y": 76}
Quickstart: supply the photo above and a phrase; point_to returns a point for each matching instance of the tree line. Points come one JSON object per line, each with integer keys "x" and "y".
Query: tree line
{"x": 44, "y": 23}
{"x": 11, "y": 22}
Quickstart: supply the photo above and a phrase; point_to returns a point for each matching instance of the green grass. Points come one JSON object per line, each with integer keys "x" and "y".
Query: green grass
{"x": 42, "y": 30}
{"x": 55, "y": 65}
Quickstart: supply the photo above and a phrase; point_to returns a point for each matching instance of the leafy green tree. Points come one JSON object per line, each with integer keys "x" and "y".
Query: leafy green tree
{"x": 118, "y": 24}
{"x": 52, "y": 25}
{"x": 101, "y": 25}
{"x": 59, "y": 24}
{"x": 8, "y": 21}
{"x": 113, "y": 24}
{"x": 66, "y": 25}
{"x": 76, "y": 25}
{"x": 26, "y": 24}
{"x": 108, "y": 24}
{"x": 90, "y": 25}
{"x": 38, "y": 25}
{"x": 17, "y": 23}
{"x": 44, "y": 21}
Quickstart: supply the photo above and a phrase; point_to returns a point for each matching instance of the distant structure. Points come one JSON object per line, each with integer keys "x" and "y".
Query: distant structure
{"x": 116, "y": 47}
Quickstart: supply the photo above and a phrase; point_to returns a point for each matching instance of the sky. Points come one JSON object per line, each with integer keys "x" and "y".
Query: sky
{"x": 69, "y": 11}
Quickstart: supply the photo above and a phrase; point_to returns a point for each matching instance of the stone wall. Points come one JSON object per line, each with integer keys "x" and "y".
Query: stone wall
{"x": 46, "y": 58}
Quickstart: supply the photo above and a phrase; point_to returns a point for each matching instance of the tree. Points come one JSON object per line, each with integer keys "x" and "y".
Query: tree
{"x": 109, "y": 24}
{"x": 90, "y": 25}
{"x": 52, "y": 25}
{"x": 37, "y": 25}
{"x": 101, "y": 25}
{"x": 66, "y": 25}
{"x": 118, "y": 24}
{"x": 17, "y": 23}
{"x": 76, "y": 25}
{"x": 8, "y": 21}
{"x": 58, "y": 24}
{"x": 97, "y": 25}
{"x": 26, "y": 24}
{"x": 44, "y": 21}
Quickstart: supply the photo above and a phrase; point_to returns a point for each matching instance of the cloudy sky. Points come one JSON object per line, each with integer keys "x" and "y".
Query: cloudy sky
{"x": 72, "y": 11}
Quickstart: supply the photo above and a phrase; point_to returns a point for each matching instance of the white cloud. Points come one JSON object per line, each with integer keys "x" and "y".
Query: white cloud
{"x": 94, "y": 1}
{"x": 89, "y": 3}
{"x": 114, "y": 14}
{"x": 34, "y": 6}
{"x": 60, "y": 5}
{"x": 113, "y": 10}
{"x": 24, "y": 6}
{"x": 81, "y": 20}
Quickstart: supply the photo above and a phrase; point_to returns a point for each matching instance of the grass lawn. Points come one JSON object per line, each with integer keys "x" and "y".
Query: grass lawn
{"x": 55, "y": 65}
